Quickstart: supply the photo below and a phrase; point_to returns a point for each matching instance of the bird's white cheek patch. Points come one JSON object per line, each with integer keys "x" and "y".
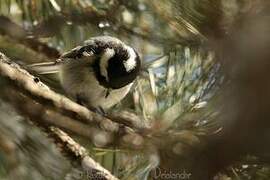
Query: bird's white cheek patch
{"x": 130, "y": 63}
{"x": 108, "y": 54}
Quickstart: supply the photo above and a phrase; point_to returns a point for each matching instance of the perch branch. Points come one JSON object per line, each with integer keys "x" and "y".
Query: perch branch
{"x": 39, "y": 90}
{"x": 43, "y": 95}
{"x": 45, "y": 117}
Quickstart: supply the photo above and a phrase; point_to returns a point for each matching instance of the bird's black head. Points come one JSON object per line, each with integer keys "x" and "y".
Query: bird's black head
{"x": 117, "y": 64}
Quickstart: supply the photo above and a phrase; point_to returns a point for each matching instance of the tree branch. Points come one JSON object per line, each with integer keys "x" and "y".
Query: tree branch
{"x": 68, "y": 145}
{"x": 74, "y": 151}
{"x": 43, "y": 95}
{"x": 39, "y": 90}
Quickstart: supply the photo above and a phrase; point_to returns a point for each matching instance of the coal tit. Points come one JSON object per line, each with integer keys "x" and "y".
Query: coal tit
{"x": 98, "y": 74}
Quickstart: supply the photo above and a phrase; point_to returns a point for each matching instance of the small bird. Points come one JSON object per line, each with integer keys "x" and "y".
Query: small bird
{"x": 98, "y": 74}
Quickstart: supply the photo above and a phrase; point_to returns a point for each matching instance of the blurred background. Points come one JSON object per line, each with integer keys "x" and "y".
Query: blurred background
{"x": 203, "y": 94}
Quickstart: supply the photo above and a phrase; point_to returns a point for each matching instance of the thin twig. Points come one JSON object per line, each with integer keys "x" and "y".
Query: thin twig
{"x": 91, "y": 167}
{"x": 16, "y": 32}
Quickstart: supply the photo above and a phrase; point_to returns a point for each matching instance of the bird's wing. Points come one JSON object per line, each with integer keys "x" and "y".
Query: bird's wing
{"x": 45, "y": 67}
{"x": 85, "y": 53}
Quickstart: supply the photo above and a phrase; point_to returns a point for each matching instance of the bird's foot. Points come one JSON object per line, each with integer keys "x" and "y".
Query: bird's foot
{"x": 99, "y": 110}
